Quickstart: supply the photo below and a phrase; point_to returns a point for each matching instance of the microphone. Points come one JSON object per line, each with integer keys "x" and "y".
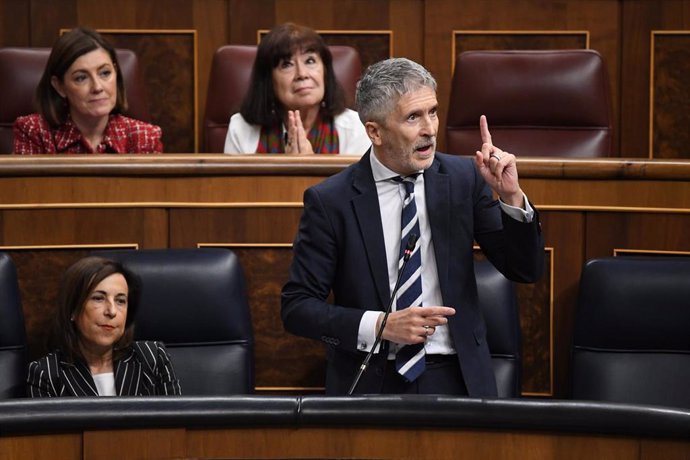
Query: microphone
{"x": 411, "y": 243}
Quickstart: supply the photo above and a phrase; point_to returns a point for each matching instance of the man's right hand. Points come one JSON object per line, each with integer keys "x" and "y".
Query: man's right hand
{"x": 414, "y": 324}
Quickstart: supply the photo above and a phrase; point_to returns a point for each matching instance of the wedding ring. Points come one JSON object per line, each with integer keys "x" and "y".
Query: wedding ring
{"x": 495, "y": 155}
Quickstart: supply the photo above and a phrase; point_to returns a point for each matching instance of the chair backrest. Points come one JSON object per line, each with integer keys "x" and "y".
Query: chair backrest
{"x": 632, "y": 331}
{"x": 21, "y": 70}
{"x": 228, "y": 84}
{"x": 538, "y": 103}
{"x": 498, "y": 304}
{"x": 194, "y": 300}
{"x": 13, "y": 353}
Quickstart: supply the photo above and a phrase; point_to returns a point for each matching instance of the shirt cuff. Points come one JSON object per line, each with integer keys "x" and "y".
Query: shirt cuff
{"x": 521, "y": 215}
{"x": 367, "y": 331}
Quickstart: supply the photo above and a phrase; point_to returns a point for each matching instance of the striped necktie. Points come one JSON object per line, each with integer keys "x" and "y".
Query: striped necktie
{"x": 409, "y": 360}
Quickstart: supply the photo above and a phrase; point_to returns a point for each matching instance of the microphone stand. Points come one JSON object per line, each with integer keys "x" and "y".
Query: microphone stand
{"x": 411, "y": 243}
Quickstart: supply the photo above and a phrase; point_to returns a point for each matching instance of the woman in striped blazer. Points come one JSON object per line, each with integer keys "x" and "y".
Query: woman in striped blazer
{"x": 96, "y": 354}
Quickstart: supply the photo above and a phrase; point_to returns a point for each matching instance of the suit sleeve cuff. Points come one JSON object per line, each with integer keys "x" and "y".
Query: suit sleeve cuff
{"x": 521, "y": 215}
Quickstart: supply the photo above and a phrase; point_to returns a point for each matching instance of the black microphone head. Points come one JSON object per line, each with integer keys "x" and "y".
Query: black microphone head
{"x": 411, "y": 243}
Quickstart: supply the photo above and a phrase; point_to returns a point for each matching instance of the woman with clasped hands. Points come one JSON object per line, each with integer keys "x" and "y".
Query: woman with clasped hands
{"x": 94, "y": 328}
{"x": 80, "y": 98}
{"x": 294, "y": 103}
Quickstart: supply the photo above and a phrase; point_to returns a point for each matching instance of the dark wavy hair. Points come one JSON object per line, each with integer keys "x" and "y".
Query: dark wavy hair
{"x": 67, "y": 49}
{"x": 78, "y": 282}
{"x": 260, "y": 106}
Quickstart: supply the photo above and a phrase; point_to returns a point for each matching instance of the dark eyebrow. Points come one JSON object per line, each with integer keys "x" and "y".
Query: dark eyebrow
{"x": 100, "y": 67}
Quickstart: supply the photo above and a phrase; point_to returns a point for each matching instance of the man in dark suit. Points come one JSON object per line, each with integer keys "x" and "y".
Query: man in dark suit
{"x": 355, "y": 223}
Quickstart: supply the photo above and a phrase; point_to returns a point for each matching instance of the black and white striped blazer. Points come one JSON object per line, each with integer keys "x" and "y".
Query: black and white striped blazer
{"x": 146, "y": 371}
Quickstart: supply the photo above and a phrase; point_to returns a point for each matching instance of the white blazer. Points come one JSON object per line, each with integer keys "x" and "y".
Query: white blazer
{"x": 352, "y": 137}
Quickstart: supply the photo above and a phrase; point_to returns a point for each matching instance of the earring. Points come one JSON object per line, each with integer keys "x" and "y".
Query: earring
{"x": 323, "y": 104}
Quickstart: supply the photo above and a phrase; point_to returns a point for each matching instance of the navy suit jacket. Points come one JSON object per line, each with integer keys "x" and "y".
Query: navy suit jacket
{"x": 340, "y": 248}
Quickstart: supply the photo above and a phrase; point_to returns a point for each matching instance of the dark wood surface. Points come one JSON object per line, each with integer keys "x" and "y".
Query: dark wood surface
{"x": 326, "y": 443}
{"x": 54, "y": 210}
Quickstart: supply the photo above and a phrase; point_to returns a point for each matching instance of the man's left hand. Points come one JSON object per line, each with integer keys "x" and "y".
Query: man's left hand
{"x": 498, "y": 168}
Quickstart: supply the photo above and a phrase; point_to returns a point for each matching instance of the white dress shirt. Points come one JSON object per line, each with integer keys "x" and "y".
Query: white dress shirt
{"x": 391, "y": 195}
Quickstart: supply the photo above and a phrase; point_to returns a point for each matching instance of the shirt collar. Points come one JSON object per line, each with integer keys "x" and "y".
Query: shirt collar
{"x": 380, "y": 171}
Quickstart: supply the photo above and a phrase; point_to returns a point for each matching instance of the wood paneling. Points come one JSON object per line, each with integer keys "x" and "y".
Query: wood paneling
{"x": 639, "y": 19}
{"x": 170, "y": 90}
{"x": 146, "y": 227}
{"x": 668, "y": 450}
{"x": 371, "y": 46}
{"x": 670, "y": 95}
{"x": 536, "y": 323}
{"x": 47, "y": 17}
{"x": 41, "y": 447}
{"x": 391, "y": 443}
{"x": 338, "y": 442}
{"x": 519, "y": 40}
{"x": 334, "y": 14}
{"x": 151, "y": 444}
{"x": 564, "y": 232}
{"x": 14, "y": 23}
{"x": 283, "y": 361}
{"x": 648, "y": 231}
{"x": 210, "y": 20}
{"x": 407, "y": 16}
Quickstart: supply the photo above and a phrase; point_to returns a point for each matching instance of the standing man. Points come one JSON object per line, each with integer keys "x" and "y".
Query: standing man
{"x": 356, "y": 222}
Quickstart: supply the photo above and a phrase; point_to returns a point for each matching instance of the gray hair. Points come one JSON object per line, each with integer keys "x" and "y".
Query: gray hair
{"x": 384, "y": 83}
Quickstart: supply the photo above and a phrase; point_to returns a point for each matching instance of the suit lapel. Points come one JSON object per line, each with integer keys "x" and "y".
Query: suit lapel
{"x": 437, "y": 190}
{"x": 128, "y": 376}
{"x": 367, "y": 211}
{"x": 78, "y": 379}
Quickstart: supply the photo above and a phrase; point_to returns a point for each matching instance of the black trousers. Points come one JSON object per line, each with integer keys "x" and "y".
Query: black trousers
{"x": 442, "y": 375}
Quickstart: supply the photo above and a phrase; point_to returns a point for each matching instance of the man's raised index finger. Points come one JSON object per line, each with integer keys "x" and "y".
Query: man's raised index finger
{"x": 484, "y": 130}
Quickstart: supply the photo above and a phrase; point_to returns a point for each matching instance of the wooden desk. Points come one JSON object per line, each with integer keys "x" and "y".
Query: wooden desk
{"x": 56, "y": 209}
{"x": 393, "y": 427}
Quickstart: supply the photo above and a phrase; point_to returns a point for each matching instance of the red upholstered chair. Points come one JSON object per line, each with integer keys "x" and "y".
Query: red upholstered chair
{"x": 21, "y": 70}
{"x": 228, "y": 83}
{"x": 538, "y": 103}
